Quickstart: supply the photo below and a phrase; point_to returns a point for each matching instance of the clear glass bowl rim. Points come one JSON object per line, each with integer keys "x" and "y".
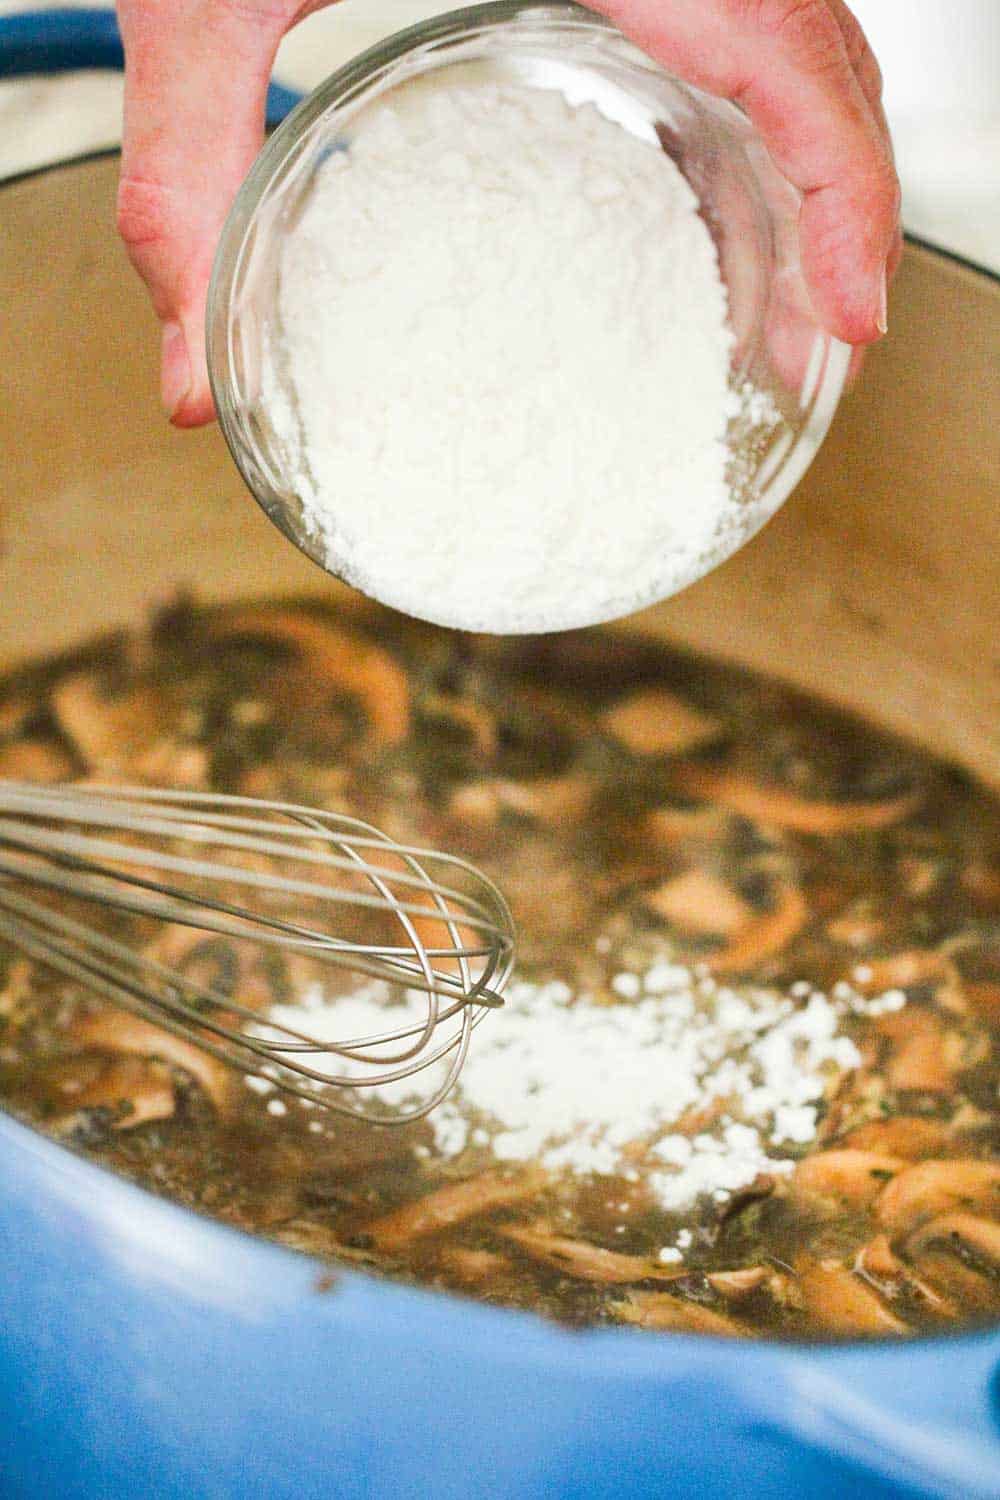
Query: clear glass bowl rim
{"x": 556, "y": 16}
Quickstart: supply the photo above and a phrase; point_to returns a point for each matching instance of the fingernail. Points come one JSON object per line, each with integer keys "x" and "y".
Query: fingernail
{"x": 175, "y": 371}
{"x": 882, "y": 310}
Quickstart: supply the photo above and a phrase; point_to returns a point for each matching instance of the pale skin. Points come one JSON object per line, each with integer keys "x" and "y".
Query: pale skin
{"x": 195, "y": 83}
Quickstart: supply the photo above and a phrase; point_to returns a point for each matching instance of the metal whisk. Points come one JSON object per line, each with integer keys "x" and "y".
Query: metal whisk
{"x": 284, "y": 883}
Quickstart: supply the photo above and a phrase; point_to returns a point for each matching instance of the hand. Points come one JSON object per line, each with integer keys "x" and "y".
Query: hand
{"x": 196, "y": 78}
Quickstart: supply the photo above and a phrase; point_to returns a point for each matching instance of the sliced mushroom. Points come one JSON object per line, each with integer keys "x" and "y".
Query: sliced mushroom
{"x": 476, "y": 802}
{"x": 553, "y": 800}
{"x": 932, "y": 1188}
{"x": 841, "y": 1303}
{"x": 137, "y": 1089}
{"x": 855, "y": 929}
{"x": 669, "y": 826}
{"x": 779, "y": 807}
{"x": 877, "y": 1260}
{"x": 119, "y": 1032}
{"x": 967, "y": 1119}
{"x": 476, "y": 1268}
{"x": 335, "y": 661}
{"x": 698, "y": 902}
{"x": 980, "y": 1238}
{"x": 231, "y": 970}
{"x": 472, "y": 718}
{"x": 959, "y": 1253}
{"x": 172, "y": 762}
{"x": 734, "y": 1285}
{"x": 900, "y": 971}
{"x": 35, "y": 760}
{"x": 581, "y": 1260}
{"x": 16, "y": 990}
{"x": 925, "y": 1064}
{"x": 175, "y": 943}
{"x": 848, "y": 1178}
{"x": 452, "y": 1204}
{"x": 909, "y": 1136}
{"x": 877, "y": 1264}
{"x": 655, "y": 722}
{"x": 109, "y": 733}
{"x": 306, "y": 1235}
{"x": 926, "y": 1057}
{"x": 660, "y": 1310}
{"x": 764, "y": 936}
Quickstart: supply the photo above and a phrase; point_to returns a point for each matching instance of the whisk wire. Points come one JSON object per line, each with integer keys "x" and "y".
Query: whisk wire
{"x": 459, "y": 975}
{"x": 123, "y": 809}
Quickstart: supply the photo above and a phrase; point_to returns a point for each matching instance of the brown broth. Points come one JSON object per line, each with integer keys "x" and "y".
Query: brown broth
{"x": 547, "y": 763}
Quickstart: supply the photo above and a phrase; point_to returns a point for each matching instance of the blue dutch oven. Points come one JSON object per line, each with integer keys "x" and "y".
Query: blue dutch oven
{"x": 145, "y": 1351}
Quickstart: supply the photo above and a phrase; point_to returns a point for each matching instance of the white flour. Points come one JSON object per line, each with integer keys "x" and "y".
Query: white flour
{"x": 500, "y": 376}
{"x": 595, "y": 1089}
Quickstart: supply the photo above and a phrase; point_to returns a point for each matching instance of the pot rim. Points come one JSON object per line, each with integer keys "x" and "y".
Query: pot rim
{"x": 826, "y": 1389}
{"x": 65, "y": 1156}
{"x": 86, "y": 158}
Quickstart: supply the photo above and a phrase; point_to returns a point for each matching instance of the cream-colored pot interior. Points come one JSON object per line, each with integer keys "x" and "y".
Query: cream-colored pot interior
{"x": 878, "y": 585}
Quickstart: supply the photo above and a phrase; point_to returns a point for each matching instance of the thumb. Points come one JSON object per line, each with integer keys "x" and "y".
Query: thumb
{"x": 196, "y": 75}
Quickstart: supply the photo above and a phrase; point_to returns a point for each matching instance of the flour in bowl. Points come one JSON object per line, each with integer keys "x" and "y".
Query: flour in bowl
{"x": 499, "y": 368}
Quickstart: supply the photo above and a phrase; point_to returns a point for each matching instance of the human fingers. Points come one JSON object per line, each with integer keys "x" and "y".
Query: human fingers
{"x": 196, "y": 76}
{"x": 869, "y": 75}
{"x": 787, "y": 63}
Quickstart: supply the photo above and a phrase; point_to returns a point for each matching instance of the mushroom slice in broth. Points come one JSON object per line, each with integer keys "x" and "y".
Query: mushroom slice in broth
{"x": 643, "y": 810}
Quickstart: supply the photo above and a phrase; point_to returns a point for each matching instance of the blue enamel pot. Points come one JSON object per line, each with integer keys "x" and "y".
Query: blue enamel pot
{"x": 145, "y": 1351}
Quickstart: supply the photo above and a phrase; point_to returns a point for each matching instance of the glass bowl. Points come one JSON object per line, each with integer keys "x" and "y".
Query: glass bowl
{"x": 786, "y": 372}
